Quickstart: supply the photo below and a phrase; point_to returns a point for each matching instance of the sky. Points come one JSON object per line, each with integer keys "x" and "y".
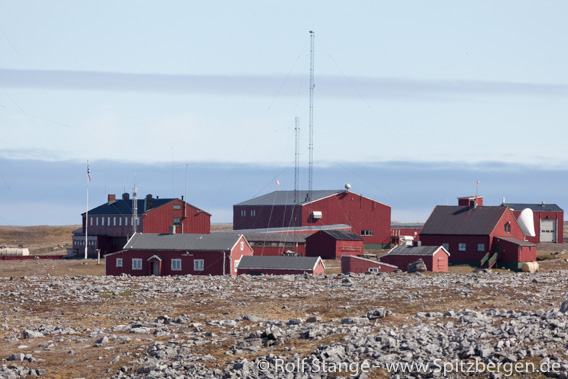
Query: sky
{"x": 414, "y": 102}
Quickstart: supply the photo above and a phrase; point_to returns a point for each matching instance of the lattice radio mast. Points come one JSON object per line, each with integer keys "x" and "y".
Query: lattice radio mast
{"x": 134, "y": 210}
{"x": 311, "y": 121}
{"x": 297, "y": 162}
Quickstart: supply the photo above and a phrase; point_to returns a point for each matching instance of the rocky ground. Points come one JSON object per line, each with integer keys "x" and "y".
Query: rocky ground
{"x": 485, "y": 324}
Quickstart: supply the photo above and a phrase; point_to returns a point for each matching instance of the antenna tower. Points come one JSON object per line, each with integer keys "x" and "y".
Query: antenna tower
{"x": 297, "y": 162}
{"x": 134, "y": 210}
{"x": 311, "y": 125}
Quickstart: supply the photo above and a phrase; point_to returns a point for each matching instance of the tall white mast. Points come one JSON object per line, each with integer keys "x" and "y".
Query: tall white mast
{"x": 311, "y": 124}
{"x": 87, "y": 213}
{"x": 297, "y": 161}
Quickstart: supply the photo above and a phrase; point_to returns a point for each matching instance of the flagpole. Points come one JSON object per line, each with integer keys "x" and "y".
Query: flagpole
{"x": 87, "y": 213}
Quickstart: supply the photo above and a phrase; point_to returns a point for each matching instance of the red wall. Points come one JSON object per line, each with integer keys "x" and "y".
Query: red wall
{"x": 159, "y": 220}
{"x": 213, "y": 261}
{"x": 277, "y": 251}
{"x": 437, "y": 262}
{"x": 350, "y": 263}
{"x": 558, "y": 216}
{"x": 323, "y": 245}
{"x": 510, "y": 252}
{"x": 348, "y": 208}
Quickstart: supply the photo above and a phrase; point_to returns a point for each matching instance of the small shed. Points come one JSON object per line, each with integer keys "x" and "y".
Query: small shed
{"x": 270, "y": 265}
{"x": 359, "y": 265}
{"x": 179, "y": 254}
{"x": 513, "y": 252}
{"x": 332, "y": 244}
{"x": 435, "y": 257}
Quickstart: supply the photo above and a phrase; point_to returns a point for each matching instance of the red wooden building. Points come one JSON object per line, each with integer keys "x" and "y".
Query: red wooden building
{"x": 435, "y": 257}
{"x": 179, "y": 254}
{"x": 111, "y": 224}
{"x": 548, "y": 221}
{"x": 358, "y": 265}
{"x": 332, "y": 244}
{"x": 468, "y": 232}
{"x": 286, "y": 209}
{"x": 254, "y": 265}
{"x": 511, "y": 251}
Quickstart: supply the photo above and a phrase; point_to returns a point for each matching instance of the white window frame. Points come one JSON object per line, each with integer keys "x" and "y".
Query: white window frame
{"x": 176, "y": 264}
{"x": 480, "y": 247}
{"x": 118, "y": 262}
{"x": 198, "y": 265}
{"x": 136, "y": 264}
{"x": 462, "y": 246}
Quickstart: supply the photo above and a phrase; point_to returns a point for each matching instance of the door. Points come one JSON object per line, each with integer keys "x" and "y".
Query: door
{"x": 547, "y": 230}
{"x": 156, "y": 268}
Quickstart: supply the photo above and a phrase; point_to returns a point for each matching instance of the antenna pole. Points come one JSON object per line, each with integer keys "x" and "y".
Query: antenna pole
{"x": 87, "y": 213}
{"x": 311, "y": 124}
{"x": 184, "y": 199}
{"x": 134, "y": 209}
{"x": 297, "y": 161}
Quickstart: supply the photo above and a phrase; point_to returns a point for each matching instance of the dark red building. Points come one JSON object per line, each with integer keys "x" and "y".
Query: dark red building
{"x": 435, "y": 257}
{"x": 287, "y": 209}
{"x": 468, "y": 232}
{"x": 111, "y": 224}
{"x": 332, "y": 244}
{"x": 511, "y": 251}
{"x": 281, "y": 266}
{"x": 548, "y": 221}
{"x": 405, "y": 233}
{"x": 179, "y": 254}
{"x": 360, "y": 265}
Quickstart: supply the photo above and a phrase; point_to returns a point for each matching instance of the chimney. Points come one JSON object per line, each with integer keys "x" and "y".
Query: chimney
{"x": 126, "y": 196}
{"x": 111, "y": 198}
{"x": 149, "y": 202}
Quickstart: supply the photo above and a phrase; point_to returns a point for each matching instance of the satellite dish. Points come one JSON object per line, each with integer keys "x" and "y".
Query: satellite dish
{"x": 526, "y": 222}
{"x": 347, "y": 186}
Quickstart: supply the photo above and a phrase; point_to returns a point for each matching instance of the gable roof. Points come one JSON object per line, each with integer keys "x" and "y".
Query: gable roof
{"x": 287, "y": 197}
{"x": 415, "y": 250}
{"x": 341, "y": 235}
{"x": 460, "y": 220}
{"x": 278, "y": 263}
{"x": 191, "y": 242}
{"x": 535, "y": 207}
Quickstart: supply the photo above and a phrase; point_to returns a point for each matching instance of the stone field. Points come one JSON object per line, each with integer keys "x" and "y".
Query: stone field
{"x": 484, "y": 324}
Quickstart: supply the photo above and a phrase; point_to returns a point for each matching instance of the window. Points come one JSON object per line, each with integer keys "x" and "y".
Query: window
{"x": 118, "y": 262}
{"x": 126, "y": 221}
{"x": 108, "y": 221}
{"x": 176, "y": 264}
{"x": 198, "y": 265}
{"x": 137, "y": 264}
{"x": 480, "y": 247}
{"x": 253, "y": 212}
{"x": 366, "y": 232}
{"x": 114, "y": 221}
{"x": 446, "y": 246}
{"x": 91, "y": 221}
{"x": 243, "y": 213}
{"x": 462, "y": 246}
{"x": 508, "y": 227}
{"x": 177, "y": 221}
{"x": 177, "y": 207}
{"x": 102, "y": 221}
{"x": 96, "y": 221}
{"x": 120, "y": 221}
{"x": 242, "y": 245}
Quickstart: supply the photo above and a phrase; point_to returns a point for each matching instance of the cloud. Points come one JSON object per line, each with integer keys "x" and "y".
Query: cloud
{"x": 249, "y": 85}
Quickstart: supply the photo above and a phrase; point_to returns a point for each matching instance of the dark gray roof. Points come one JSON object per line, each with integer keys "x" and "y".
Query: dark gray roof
{"x": 415, "y": 250}
{"x": 194, "y": 242}
{"x": 124, "y": 207}
{"x": 278, "y": 263}
{"x": 516, "y": 241}
{"x": 460, "y": 220}
{"x": 287, "y": 197}
{"x": 342, "y": 235}
{"x": 275, "y": 237}
{"x": 406, "y": 226}
{"x": 535, "y": 207}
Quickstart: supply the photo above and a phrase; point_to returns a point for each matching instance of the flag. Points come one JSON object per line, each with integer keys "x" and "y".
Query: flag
{"x": 478, "y": 182}
{"x": 277, "y": 182}
{"x": 88, "y": 172}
